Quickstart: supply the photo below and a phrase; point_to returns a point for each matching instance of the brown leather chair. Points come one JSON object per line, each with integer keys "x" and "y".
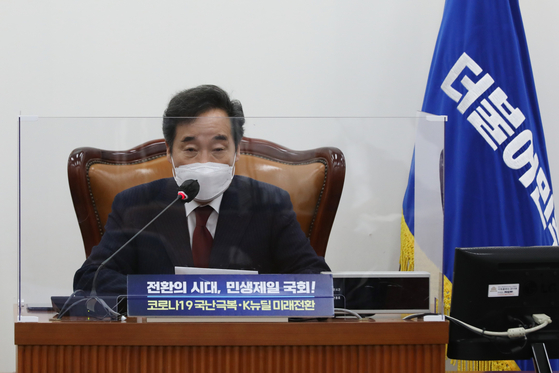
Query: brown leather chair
{"x": 313, "y": 178}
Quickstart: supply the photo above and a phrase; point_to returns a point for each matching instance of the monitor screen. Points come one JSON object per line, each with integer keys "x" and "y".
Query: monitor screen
{"x": 497, "y": 288}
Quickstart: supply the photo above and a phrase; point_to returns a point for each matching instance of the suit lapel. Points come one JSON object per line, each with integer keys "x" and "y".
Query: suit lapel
{"x": 234, "y": 217}
{"x": 173, "y": 226}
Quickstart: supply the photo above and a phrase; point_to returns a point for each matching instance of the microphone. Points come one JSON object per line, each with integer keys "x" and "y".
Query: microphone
{"x": 186, "y": 193}
{"x": 189, "y": 190}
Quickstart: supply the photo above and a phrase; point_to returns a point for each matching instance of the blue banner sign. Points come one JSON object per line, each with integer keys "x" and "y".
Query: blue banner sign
{"x": 285, "y": 295}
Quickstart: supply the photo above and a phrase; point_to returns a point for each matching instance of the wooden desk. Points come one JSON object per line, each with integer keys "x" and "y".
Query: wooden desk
{"x": 384, "y": 345}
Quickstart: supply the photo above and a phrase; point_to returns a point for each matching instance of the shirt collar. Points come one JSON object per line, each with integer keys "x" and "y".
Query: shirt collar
{"x": 215, "y": 203}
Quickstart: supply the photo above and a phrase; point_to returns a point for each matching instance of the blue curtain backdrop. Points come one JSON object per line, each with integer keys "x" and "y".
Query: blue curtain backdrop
{"x": 497, "y": 183}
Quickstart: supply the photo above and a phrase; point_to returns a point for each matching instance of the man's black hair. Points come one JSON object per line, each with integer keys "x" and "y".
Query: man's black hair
{"x": 193, "y": 102}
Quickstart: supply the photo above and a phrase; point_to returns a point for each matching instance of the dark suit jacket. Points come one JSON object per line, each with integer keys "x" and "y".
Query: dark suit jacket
{"x": 256, "y": 229}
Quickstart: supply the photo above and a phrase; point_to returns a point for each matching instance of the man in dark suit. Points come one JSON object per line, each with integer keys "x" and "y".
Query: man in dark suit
{"x": 234, "y": 222}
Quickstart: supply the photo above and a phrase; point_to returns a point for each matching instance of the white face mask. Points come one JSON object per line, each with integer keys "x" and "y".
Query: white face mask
{"x": 214, "y": 178}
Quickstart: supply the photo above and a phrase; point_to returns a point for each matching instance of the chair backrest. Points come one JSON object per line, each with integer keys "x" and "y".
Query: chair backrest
{"x": 313, "y": 178}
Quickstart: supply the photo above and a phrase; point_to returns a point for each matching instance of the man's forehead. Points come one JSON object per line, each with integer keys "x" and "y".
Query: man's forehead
{"x": 193, "y": 131}
{"x": 194, "y": 137}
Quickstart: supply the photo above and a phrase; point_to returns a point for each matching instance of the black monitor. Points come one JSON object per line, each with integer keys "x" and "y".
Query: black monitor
{"x": 497, "y": 288}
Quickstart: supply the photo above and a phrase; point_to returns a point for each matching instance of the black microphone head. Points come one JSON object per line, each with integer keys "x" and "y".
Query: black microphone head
{"x": 189, "y": 190}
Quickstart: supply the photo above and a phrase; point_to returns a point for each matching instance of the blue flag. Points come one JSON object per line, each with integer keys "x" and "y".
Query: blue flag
{"x": 497, "y": 184}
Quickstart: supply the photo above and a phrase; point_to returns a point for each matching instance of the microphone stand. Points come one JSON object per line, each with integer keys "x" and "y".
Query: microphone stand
{"x": 187, "y": 191}
{"x": 93, "y": 291}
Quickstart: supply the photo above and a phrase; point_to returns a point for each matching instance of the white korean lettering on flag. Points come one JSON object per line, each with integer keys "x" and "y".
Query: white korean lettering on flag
{"x": 497, "y": 120}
